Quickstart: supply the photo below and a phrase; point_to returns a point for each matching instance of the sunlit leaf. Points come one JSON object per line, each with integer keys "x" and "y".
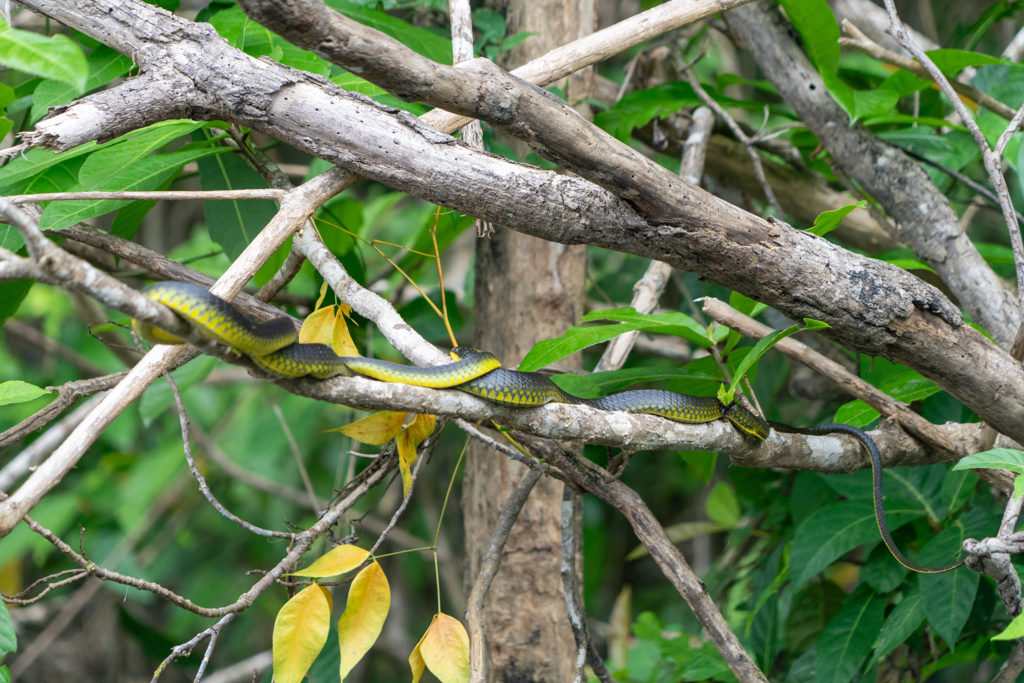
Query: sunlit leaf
{"x": 56, "y": 57}
{"x": 444, "y": 649}
{"x": 376, "y": 429}
{"x": 300, "y": 632}
{"x": 337, "y": 560}
{"x": 16, "y": 391}
{"x": 577, "y": 338}
{"x": 369, "y": 598}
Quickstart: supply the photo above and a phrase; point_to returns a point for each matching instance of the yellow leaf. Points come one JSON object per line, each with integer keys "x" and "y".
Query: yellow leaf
{"x": 416, "y": 662}
{"x": 341, "y": 339}
{"x": 369, "y": 598}
{"x": 406, "y": 457}
{"x": 300, "y": 632}
{"x": 323, "y": 293}
{"x": 318, "y": 327}
{"x": 337, "y": 560}
{"x": 407, "y": 441}
{"x": 376, "y": 429}
{"x": 445, "y": 649}
{"x": 421, "y": 427}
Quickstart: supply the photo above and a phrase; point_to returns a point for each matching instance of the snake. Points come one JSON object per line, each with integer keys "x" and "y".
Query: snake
{"x": 273, "y": 346}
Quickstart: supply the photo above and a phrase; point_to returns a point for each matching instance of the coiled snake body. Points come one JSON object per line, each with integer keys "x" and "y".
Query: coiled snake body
{"x": 273, "y": 346}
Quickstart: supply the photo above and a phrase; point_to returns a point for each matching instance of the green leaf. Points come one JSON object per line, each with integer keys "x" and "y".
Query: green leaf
{"x": 847, "y": 640}
{"x": 56, "y": 57}
{"x": 995, "y": 458}
{"x": 762, "y": 346}
{"x": 16, "y": 391}
{"x": 576, "y": 338}
{"x": 901, "y": 624}
{"x": 145, "y": 174}
{"x": 722, "y": 507}
{"x": 233, "y": 224}
{"x": 827, "y": 221}
{"x": 958, "y": 588}
{"x": 35, "y": 161}
{"x": 678, "y": 324}
{"x": 419, "y": 39}
{"x": 907, "y": 387}
{"x": 637, "y": 108}
{"x": 8, "y": 638}
{"x": 951, "y": 62}
{"x": 11, "y": 295}
{"x": 1013, "y": 631}
{"x": 832, "y": 531}
{"x": 817, "y": 26}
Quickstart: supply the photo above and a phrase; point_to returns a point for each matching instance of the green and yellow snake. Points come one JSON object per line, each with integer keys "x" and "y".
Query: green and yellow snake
{"x": 273, "y": 347}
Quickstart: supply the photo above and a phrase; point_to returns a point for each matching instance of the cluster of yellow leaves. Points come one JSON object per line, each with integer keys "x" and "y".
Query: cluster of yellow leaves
{"x": 327, "y": 326}
{"x": 379, "y": 428}
{"x": 302, "y": 625}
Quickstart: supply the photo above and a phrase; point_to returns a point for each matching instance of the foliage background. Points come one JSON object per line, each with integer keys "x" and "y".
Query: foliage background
{"x": 795, "y": 559}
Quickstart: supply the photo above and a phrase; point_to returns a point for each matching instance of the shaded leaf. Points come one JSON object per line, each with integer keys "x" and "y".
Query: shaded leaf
{"x": 847, "y": 640}
{"x": 369, "y": 598}
{"x": 300, "y": 632}
{"x": 376, "y": 429}
{"x": 830, "y": 532}
{"x": 827, "y": 221}
{"x": 8, "y": 638}
{"x": 407, "y": 441}
{"x": 233, "y": 223}
{"x": 337, "y": 560}
{"x": 722, "y": 507}
{"x": 901, "y": 624}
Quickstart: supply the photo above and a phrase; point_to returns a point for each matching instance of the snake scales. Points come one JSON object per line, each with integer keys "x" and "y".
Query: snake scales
{"x": 273, "y": 346}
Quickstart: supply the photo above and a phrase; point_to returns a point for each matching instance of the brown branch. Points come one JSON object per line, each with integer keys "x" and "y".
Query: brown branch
{"x": 670, "y": 560}
{"x": 67, "y": 394}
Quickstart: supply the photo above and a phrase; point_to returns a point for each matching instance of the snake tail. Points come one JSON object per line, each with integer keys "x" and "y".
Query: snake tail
{"x": 876, "y": 474}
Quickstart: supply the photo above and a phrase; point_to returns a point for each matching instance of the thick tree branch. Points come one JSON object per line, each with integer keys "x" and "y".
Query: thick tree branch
{"x": 924, "y": 219}
{"x": 872, "y": 307}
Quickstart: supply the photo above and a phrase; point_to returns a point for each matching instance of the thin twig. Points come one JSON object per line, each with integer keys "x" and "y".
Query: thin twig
{"x": 748, "y": 144}
{"x": 296, "y": 453}
{"x": 183, "y": 421}
{"x": 177, "y": 195}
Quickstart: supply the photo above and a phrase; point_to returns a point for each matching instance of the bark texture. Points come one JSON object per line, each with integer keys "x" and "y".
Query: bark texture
{"x": 526, "y": 289}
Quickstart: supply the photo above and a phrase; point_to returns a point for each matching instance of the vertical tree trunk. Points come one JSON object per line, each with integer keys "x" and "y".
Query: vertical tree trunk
{"x": 526, "y": 290}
